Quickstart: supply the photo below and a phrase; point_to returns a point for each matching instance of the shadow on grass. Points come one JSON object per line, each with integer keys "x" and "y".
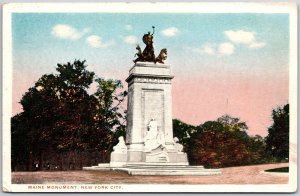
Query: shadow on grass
{"x": 280, "y": 169}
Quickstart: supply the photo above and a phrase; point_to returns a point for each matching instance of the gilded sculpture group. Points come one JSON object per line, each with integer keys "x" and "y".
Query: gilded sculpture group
{"x": 148, "y": 53}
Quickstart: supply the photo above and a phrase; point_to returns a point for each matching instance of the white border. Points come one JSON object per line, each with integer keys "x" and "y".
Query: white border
{"x": 164, "y": 7}
{"x": 158, "y": 7}
{"x": 7, "y": 98}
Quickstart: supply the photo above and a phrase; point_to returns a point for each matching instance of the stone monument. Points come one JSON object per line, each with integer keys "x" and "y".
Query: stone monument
{"x": 149, "y": 134}
{"x": 150, "y": 148}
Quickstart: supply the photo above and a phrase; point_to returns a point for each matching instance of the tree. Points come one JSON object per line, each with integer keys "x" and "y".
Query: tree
{"x": 108, "y": 115}
{"x": 232, "y": 124}
{"x": 278, "y": 133}
{"x": 60, "y": 116}
{"x": 20, "y": 151}
{"x": 257, "y": 145}
{"x": 183, "y": 131}
{"x": 39, "y": 106}
{"x": 223, "y": 143}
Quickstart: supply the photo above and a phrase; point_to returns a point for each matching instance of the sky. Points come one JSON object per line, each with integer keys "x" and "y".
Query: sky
{"x": 236, "y": 64}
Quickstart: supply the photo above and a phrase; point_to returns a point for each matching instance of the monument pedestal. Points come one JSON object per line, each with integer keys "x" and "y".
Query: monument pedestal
{"x": 150, "y": 148}
{"x": 149, "y": 115}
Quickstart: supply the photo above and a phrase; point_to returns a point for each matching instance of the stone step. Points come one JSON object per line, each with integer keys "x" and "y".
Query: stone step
{"x": 172, "y": 172}
{"x": 103, "y": 164}
{"x": 166, "y": 168}
{"x": 161, "y": 166}
{"x": 158, "y": 169}
{"x": 93, "y": 168}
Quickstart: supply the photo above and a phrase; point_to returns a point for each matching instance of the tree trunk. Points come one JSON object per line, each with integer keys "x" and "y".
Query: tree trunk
{"x": 29, "y": 165}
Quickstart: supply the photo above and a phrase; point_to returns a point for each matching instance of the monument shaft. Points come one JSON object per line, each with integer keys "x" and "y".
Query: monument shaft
{"x": 149, "y": 97}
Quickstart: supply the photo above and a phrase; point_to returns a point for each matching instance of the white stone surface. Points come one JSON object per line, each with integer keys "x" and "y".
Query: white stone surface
{"x": 121, "y": 146}
{"x": 160, "y": 156}
{"x": 178, "y": 146}
{"x": 149, "y": 97}
{"x": 118, "y": 157}
{"x": 147, "y": 68}
{"x": 154, "y": 137}
{"x": 172, "y": 172}
{"x": 161, "y": 169}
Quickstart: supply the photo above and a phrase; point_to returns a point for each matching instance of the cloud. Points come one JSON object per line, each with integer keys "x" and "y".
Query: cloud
{"x": 240, "y": 37}
{"x": 257, "y": 45}
{"x": 206, "y": 49}
{"x": 226, "y": 48}
{"x": 128, "y": 27}
{"x": 131, "y": 39}
{"x": 95, "y": 41}
{"x": 170, "y": 32}
{"x": 64, "y": 31}
{"x": 244, "y": 37}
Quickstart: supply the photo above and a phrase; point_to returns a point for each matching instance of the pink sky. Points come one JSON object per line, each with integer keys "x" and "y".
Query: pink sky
{"x": 197, "y": 99}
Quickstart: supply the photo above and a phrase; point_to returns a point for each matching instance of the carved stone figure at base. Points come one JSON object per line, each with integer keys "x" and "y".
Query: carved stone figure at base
{"x": 154, "y": 137}
{"x": 118, "y": 157}
{"x": 121, "y": 146}
{"x": 178, "y": 146}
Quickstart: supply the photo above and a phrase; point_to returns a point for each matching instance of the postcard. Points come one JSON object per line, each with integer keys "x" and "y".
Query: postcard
{"x": 149, "y": 97}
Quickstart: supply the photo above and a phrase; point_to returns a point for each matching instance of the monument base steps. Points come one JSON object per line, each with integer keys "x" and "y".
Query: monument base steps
{"x": 158, "y": 169}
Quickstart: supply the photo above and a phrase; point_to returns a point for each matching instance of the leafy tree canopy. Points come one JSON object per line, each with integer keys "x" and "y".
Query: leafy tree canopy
{"x": 60, "y": 115}
{"x": 224, "y": 142}
{"x": 278, "y": 137}
{"x": 183, "y": 131}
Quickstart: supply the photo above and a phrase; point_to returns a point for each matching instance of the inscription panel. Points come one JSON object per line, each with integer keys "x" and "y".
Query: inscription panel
{"x": 152, "y": 108}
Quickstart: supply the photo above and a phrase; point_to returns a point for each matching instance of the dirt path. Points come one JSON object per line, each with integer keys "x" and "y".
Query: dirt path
{"x": 231, "y": 175}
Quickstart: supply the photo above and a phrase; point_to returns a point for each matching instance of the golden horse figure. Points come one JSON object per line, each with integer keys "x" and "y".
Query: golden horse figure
{"x": 139, "y": 54}
{"x": 162, "y": 56}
